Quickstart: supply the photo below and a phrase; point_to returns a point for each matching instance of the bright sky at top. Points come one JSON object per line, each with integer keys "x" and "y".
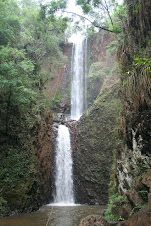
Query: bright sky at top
{"x": 72, "y": 7}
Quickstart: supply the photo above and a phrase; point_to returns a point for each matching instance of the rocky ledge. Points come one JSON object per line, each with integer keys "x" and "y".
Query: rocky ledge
{"x": 141, "y": 218}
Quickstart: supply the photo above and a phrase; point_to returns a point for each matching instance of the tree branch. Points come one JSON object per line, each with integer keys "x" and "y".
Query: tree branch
{"x": 107, "y": 9}
{"x": 85, "y": 18}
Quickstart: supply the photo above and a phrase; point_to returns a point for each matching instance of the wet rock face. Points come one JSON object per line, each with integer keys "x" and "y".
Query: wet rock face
{"x": 134, "y": 163}
{"x": 142, "y": 218}
{"x": 134, "y": 160}
{"x": 97, "y": 53}
{"x": 30, "y": 185}
{"x": 65, "y": 86}
{"x": 95, "y": 142}
{"x": 42, "y": 146}
{"x": 94, "y": 220}
{"x": 64, "y": 104}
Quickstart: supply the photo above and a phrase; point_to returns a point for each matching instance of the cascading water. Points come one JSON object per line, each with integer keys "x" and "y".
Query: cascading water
{"x": 64, "y": 181}
{"x": 78, "y": 85}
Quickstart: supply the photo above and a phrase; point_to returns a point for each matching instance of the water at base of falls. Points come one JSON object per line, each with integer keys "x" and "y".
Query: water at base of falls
{"x": 61, "y": 216}
{"x": 64, "y": 180}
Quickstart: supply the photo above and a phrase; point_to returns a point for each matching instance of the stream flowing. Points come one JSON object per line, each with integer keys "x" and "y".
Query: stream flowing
{"x": 61, "y": 216}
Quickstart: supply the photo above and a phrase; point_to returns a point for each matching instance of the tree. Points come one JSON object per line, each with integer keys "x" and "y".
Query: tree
{"x": 97, "y": 11}
{"x": 104, "y": 5}
{"x": 9, "y": 22}
{"x": 28, "y": 34}
{"x": 41, "y": 37}
{"x": 103, "y": 13}
{"x": 16, "y": 85}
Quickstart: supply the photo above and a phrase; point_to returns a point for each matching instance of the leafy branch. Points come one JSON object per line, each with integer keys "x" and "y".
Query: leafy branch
{"x": 92, "y": 22}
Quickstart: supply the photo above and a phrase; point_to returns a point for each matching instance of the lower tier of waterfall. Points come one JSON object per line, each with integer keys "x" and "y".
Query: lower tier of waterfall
{"x": 64, "y": 180}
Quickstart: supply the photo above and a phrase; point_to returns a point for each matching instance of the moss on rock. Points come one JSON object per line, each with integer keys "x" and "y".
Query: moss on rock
{"x": 95, "y": 144}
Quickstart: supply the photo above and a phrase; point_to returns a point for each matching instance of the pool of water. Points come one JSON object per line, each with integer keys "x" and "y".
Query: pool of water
{"x": 60, "y": 216}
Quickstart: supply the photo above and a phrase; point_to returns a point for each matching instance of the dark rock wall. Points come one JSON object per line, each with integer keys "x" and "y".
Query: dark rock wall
{"x": 130, "y": 182}
{"x": 43, "y": 152}
{"x": 64, "y": 89}
{"x": 134, "y": 157}
{"x": 58, "y": 87}
{"x": 94, "y": 149}
{"x": 95, "y": 141}
{"x": 66, "y": 82}
{"x": 25, "y": 170}
{"x": 97, "y": 53}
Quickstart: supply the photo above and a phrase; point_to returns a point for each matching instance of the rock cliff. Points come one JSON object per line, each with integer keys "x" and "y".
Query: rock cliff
{"x": 133, "y": 158}
{"x": 25, "y": 178}
{"x": 96, "y": 131}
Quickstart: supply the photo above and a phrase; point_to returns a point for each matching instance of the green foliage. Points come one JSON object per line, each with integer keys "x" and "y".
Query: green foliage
{"x": 111, "y": 48}
{"x": 56, "y": 5}
{"x": 43, "y": 36}
{"x": 90, "y": 31}
{"x": 18, "y": 173}
{"x": 113, "y": 181}
{"x": 3, "y": 204}
{"x": 86, "y": 6}
{"x": 95, "y": 70}
{"x": 106, "y": 14}
{"x": 9, "y": 22}
{"x": 143, "y": 62}
{"x": 29, "y": 34}
{"x": 137, "y": 9}
{"x": 116, "y": 29}
{"x": 141, "y": 168}
{"x": 57, "y": 99}
{"x": 136, "y": 209}
{"x": 22, "y": 77}
{"x": 144, "y": 195}
{"x": 114, "y": 201}
{"x": 14, "y": 167}
{"x": 16, "y": 91}
{"x": 119, "y": 15}
{"x": 120, "y": 12}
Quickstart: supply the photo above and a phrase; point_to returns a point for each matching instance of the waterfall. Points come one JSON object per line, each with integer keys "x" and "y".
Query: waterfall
{"x": 64, "y": 181}
{"x": 78, "y": 84}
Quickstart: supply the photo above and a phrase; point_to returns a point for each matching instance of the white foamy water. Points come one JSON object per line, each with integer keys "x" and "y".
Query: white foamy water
{"x": 64, "y": 180}
{"x": 78, "y": 84}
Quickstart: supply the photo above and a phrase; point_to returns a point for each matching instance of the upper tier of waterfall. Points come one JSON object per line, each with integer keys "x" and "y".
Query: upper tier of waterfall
{"x": 78, "y": 83}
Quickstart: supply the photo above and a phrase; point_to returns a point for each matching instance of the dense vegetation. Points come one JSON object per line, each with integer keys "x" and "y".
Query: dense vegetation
{"x": 28, "y": 34}
{"x": 135, "y": 63}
